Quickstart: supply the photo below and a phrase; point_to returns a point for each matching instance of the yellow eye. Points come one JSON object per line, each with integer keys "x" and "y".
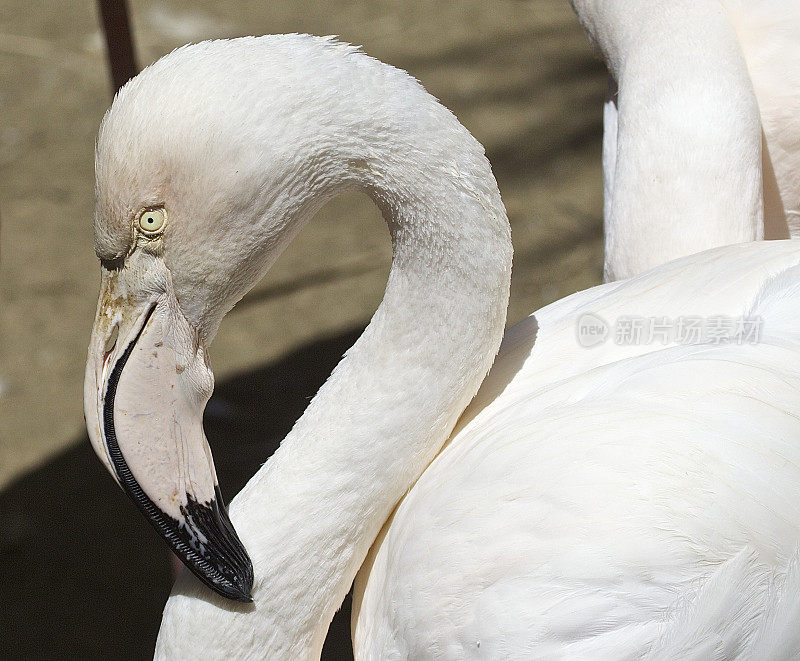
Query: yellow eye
{"x": 152, "y": 221}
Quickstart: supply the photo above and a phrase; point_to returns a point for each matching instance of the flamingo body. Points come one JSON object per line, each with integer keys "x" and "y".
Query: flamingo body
{"x": 611, "y": 501}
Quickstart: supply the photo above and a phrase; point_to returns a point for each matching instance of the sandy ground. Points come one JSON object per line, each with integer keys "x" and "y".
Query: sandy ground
{"x": 75, "y": 559}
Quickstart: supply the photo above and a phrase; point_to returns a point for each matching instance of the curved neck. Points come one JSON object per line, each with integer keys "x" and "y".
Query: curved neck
{"x": 309, "y": 516}
{"x": 683, "y": 170}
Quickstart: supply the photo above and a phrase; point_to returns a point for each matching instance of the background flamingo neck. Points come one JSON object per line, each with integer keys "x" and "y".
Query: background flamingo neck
{"x": 685, "y": 161}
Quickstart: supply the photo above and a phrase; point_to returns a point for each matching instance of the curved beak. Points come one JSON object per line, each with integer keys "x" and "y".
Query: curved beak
{"x": 147, "y": 383}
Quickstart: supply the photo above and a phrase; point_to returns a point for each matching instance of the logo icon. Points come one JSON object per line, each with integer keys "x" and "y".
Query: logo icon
{"x": 592, "y": 330}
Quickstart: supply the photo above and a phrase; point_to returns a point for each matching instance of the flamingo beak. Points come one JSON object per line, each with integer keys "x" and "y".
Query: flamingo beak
{"x": 146, "y": 386}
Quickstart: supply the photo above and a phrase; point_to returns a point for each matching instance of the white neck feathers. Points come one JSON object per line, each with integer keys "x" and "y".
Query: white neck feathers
{"x": 310, "y": 515}
{"x": 685, "y": 162}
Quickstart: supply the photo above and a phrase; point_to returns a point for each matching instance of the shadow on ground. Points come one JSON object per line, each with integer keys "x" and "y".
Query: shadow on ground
{"x": 84, "y": 575}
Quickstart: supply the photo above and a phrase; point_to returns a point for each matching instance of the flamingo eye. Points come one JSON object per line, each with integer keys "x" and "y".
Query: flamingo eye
{"x": 152, "y": 221}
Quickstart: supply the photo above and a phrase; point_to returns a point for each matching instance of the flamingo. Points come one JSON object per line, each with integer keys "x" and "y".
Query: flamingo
{"x": 591, "y": 499}
{"x": 701, "y": 141}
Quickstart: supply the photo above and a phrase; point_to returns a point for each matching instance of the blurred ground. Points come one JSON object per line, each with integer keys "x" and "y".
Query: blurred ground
{"x": 75, "y": 556}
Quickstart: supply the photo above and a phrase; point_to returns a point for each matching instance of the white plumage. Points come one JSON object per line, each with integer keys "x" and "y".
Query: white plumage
{"x": 615, "y": 501}
{"x": 605, "y": 502}
{"x": 695, "y": 86}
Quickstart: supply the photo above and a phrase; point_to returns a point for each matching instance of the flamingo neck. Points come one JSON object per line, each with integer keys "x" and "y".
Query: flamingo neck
{"x": 682, "y": 150}
{"x": 309, "y": 516}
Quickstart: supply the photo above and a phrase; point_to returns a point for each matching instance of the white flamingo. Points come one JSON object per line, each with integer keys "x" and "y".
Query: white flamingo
{"x": 694, "y": 84}
{"x": 609, "y": 501}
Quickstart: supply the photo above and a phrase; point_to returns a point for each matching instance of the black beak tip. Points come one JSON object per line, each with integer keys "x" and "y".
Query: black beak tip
{"x": 237, "y": 580}
{"x": 240, "y": 595}
{"x": 237, "y": 591}
{"x": 221, "y": 562}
